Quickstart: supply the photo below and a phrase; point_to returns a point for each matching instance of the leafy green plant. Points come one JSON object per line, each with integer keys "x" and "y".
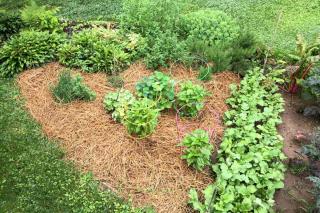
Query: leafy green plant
{"x": 95, "y": 50}
{"x": 158, "y": 87}
{"x": 28, "y": 49}
{"x": 40, "y": 18}
{"x": 142, "y": 117}
{"x": 312, "y": 150}
{"x": 163, "y": 49}
{"x": 316, "y": 191}
{"x": 197, "y": 205}
{"x": 190, "y": 99}
{"x": 210, "y": 26}
{"x": 249, "y": 167}
{"x": 118, "y": 103}
{"x": 311, "y": 85}
{"x": 10, "y": 24}
{"x": 71, "y": 88}
{"x": 198, "y": 149}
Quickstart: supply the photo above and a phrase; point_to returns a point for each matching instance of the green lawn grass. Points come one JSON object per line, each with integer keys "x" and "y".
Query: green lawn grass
{"x": 274, "y": 22}
{"x": 33, "y": 175}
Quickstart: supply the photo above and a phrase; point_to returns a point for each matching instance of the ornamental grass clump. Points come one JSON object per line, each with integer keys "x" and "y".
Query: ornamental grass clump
{"x": 71, "y": 88}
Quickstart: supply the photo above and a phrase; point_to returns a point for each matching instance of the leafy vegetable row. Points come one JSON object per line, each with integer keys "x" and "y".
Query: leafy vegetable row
{"x": 249, "y": 167}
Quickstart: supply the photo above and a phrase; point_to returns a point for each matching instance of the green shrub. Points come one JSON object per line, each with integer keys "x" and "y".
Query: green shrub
{"x": 118, "y": 103}
{"x": 210, "y": 26}
{"x": 94, "y": 50}
{"x": 142, "y": 117}
{"x": 40, "y": 18}
{"x": 72, "y": 88}
{"x": 157, "y": 87}
{"x": 150, "y": 17}
{"x": 28, "y": 49}
{"x": 311, "y": 85}
{"x": 198, "y": 149}
{"x": 312, "y": 150}
{"x": 163, "y": 49}
{"x": 190, "y": 99}
{"x": 10, "y": 24}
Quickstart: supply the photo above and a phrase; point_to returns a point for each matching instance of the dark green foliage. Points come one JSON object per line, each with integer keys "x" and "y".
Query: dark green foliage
{"x": 163, "y": 49}
{"x": 116, "y": 81}
{"x": 118, "y": 103}
{"x": 311, "y": 85}
{"x": 243, "y": 52}
{"x": 198, "y": 149}
{"x": 190, "y": 99}
{"x": 205, "y": 73}
{"x": 28, "y": 49}
{"x": 210, "y": 26}
{"x": 312, "y": 150}
{"x": 316, "y": 192}
{"x": 72, "y": 88}
{"x": 96, "y": 50}
{"x": 157, "y": 87}
{"x": 10, "y": 24}
{"x": 34, "y": 174}
{"x": 40, "y": 18}
{"x": 142, "y": 117}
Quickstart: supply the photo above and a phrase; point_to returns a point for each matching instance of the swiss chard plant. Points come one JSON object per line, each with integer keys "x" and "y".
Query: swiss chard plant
{"x": 249, "y": 168}
{"x": 198, "y": 149}
{"x": 118, "y": 103}
{"x": 190, "y": 99}
{"x": 158, "y": 87}
{"x": 142, "y": 117}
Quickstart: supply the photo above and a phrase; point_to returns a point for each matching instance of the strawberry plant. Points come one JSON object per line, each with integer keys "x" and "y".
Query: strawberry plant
{"x": 118, "y": 103}
{"x": 159, "y": 88}
{"x": 72, "y": 88}
{"x": 190, "y": 99}
{"x": 198, "y": 149}
{"x": 249, "y": 168}
{"x": 142, "y": 117}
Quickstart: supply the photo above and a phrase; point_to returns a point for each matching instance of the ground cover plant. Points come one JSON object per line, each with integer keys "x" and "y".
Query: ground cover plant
{"x": 198, "y": 149}
{"x": 158, "y": 87}
{"x": 34, "y": 176}
{"x": 71, "y": 88}
{"x": 28, "y": 49}
{"x": 249, "y": 167}
{"x": 119, "y": 103}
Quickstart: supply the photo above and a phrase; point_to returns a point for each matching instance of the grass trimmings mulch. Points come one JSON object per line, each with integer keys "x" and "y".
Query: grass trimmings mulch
{"x": 150, "y": 171}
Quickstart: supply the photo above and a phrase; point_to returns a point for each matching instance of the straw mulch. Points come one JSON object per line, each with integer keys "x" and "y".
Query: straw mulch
{"x": 148, "y": 171}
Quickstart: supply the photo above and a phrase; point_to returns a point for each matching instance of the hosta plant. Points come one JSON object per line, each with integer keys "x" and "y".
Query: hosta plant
{"x": 142, "y": 117}
{"x": 71, "y": 88}
{"x": 190, "y": 99}
{"x": 158, "y": 87}
{"x": 93, "y": 51}
{"x": 118, "y": 103}
{"x": 197, "y": 149}
{"x": 28, "y": 49}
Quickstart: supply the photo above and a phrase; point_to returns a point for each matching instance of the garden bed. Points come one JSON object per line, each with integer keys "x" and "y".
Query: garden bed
{"x": 149, "y": 171}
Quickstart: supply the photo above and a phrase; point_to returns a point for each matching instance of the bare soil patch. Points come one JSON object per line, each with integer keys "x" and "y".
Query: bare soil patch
{"x": 148, "y": 171}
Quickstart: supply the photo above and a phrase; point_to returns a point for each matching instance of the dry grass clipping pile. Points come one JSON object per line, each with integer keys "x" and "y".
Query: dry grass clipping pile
{"x": 148, "y": 171}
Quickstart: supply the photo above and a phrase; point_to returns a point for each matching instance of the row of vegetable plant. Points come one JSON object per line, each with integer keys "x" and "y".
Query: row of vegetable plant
{"x": 249, "y": 167}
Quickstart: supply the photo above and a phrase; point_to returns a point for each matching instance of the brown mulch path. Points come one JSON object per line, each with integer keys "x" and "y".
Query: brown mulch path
{"x": 148, "y": 171}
